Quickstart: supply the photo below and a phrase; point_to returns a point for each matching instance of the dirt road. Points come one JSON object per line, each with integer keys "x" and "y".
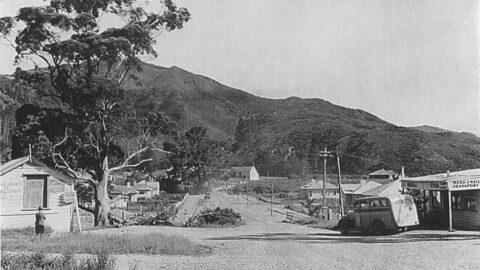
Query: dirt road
{"x": 266, "y": 243}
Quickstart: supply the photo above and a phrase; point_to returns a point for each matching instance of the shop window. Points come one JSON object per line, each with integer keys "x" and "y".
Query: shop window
{"x": 457, "y": 202}
{"x": 470, "y": 203}
{"x": 35, "y": 192}
{"x": 436, "y": 199}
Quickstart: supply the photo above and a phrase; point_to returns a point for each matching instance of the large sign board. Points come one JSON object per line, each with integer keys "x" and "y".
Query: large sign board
{"x": 430, "y": 185}
{"x": 465, "y": 184}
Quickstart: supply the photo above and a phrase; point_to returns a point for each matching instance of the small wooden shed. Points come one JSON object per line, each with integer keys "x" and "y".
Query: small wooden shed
{"x": 26, "y": 184}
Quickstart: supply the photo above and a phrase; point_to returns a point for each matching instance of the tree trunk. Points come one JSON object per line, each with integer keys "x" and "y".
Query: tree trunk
{"x": 102, "y": 201}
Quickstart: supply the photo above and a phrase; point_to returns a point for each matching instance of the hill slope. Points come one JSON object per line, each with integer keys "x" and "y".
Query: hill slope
{"x": 290, "y": 131}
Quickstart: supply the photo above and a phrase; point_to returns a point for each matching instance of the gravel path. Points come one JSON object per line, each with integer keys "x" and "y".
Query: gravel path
{"x": 266, "y": 243}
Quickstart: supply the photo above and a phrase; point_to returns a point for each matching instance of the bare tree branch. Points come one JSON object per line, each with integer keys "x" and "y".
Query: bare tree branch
{"x": 125, "y": 163}
{"x": 130, "y": 166}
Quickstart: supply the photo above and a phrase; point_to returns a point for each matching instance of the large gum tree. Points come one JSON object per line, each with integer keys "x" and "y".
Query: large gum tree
{"x": 80, "y": 62}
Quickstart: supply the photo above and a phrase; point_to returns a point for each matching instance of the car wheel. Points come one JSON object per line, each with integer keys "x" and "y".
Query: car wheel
{"x": 378, "y": 227}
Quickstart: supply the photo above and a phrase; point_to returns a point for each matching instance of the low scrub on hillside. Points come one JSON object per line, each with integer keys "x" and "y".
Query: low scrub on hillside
{"x": 70, "y": 243}
{"x": 215, "y": 217}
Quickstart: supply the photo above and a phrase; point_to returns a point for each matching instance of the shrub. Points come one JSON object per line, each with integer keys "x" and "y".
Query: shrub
{"x": 217, "y": 216}
{"x": 43, "y": 261}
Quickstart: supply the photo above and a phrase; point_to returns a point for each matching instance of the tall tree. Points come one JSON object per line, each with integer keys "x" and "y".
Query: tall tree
{"x": 81, "y": 65}
{"x": 192, "y": 154}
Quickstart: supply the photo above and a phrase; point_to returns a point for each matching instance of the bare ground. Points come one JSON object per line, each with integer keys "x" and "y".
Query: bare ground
{"x": 264, "y": 242}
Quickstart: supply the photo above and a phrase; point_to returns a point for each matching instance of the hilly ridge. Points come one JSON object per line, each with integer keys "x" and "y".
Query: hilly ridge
{"x": 290, "y": 131}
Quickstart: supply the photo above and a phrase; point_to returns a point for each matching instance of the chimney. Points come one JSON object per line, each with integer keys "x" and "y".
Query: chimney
{"x": 128, "y": 183}
{"x": 363, "y": 182}
{"x": 403, "y": 172}
{"x": 448, "y": 173}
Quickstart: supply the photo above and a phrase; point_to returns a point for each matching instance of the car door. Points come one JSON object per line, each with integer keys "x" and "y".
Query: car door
{"x": 363, "y": 215}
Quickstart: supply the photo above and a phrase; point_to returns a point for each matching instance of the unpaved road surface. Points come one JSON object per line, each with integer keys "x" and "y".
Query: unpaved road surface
{"x": 264, "y": 242}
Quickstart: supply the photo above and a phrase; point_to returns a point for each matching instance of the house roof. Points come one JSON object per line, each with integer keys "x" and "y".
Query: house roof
{"x": 142, "y": 187}
{"x": 368, "y": 186}
{"x": 243, "y": 169}
{"x": 15, "y": 163}
{"x": 123, "y": 190}
{"x": 318, "y": 185}
{"x": 392, "y": 188}
{"x": 465, "y": 174}
{"x": 383, "y": 172}
{"x": 350, "y": 188}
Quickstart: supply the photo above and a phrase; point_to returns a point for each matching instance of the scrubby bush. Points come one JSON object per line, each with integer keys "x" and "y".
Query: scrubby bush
{"x": 217, "y": 216}
{"x": 44, "y": 261}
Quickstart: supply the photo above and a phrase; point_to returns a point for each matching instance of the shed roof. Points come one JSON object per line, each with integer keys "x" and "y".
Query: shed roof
{"x": 368, "y": 186}
{"x": 383, "y": 172}
{"x": 15, "y": 163}
{"x": 123, "y": 190}
{"x": 314, "y": 184}
{"x": 142, "y": 187}
{"x": 392, "y": 188}
{"x": 350, "y": 188}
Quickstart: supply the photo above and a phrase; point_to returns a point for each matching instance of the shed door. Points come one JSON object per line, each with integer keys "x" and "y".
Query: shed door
{"x": 35, "y": 192}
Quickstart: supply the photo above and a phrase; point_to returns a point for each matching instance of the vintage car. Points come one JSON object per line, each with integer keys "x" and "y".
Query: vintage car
{"x": 380, "y": 214}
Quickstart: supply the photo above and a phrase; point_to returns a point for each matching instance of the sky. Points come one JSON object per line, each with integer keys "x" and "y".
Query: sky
{"x": 410, "y": 62}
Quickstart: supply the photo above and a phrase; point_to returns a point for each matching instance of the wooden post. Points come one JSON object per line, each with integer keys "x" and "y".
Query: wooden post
{"x": 78, "y": 213}
{"x": 324, "y": 177}
{"x": 340, "y": 195}
{"x": 450, "y": 225}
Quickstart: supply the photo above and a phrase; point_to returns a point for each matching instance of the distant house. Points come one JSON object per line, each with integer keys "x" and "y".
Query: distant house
{"x": 248, "y": 173}
{"x": 314, "y": 190}
{"x": 155, "y": 186}
{"x": 27, "y": 184}
{"x": 121, "y": 194}
{"x": 383, "y": 174}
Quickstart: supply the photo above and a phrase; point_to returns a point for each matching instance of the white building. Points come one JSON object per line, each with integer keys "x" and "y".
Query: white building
{"x": 248, "y": 173}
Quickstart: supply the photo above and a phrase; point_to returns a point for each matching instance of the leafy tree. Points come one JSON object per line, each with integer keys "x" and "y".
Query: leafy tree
{"x": 82, "y": 66}
{"x": 192, "y": 153}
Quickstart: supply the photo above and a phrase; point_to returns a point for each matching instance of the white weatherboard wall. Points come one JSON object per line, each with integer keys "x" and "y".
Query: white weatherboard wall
{"x": 14, "y": 215}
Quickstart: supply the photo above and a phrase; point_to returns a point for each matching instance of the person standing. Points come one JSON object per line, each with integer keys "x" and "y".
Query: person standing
{"x": 40, "y": 221}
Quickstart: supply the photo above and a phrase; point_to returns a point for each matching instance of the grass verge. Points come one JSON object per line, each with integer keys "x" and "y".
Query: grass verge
{"x": 71, "y": 243}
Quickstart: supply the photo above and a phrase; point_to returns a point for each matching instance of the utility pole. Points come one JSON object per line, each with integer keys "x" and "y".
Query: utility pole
{"x": 340, "y": 195}
{"x": 325, "y": 154}
{"x": 271, "y": 194}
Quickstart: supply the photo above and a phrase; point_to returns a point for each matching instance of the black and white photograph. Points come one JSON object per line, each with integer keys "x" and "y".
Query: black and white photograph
{"x": 239, "y": 134}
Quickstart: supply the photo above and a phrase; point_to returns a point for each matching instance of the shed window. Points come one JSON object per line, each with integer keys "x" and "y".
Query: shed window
{"x": 35, "y": 192}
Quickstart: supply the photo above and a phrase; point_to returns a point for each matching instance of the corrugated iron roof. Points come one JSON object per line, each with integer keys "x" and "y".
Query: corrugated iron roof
{"x": 393, "y": 188}
{"x": 383, "y": 172}
{"x": 123, "y": 190}
{"x": 15, "y": 163}
{"x": 368, "y": 186}
{"x": 12, "y": 164}
{"x": 318, "y": 185}
{"x": 450, "y": 176}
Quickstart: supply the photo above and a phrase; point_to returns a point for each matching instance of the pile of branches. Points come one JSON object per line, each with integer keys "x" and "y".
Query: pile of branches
{"x": 163, "y": 217}
{"x": 217, "y": 216}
